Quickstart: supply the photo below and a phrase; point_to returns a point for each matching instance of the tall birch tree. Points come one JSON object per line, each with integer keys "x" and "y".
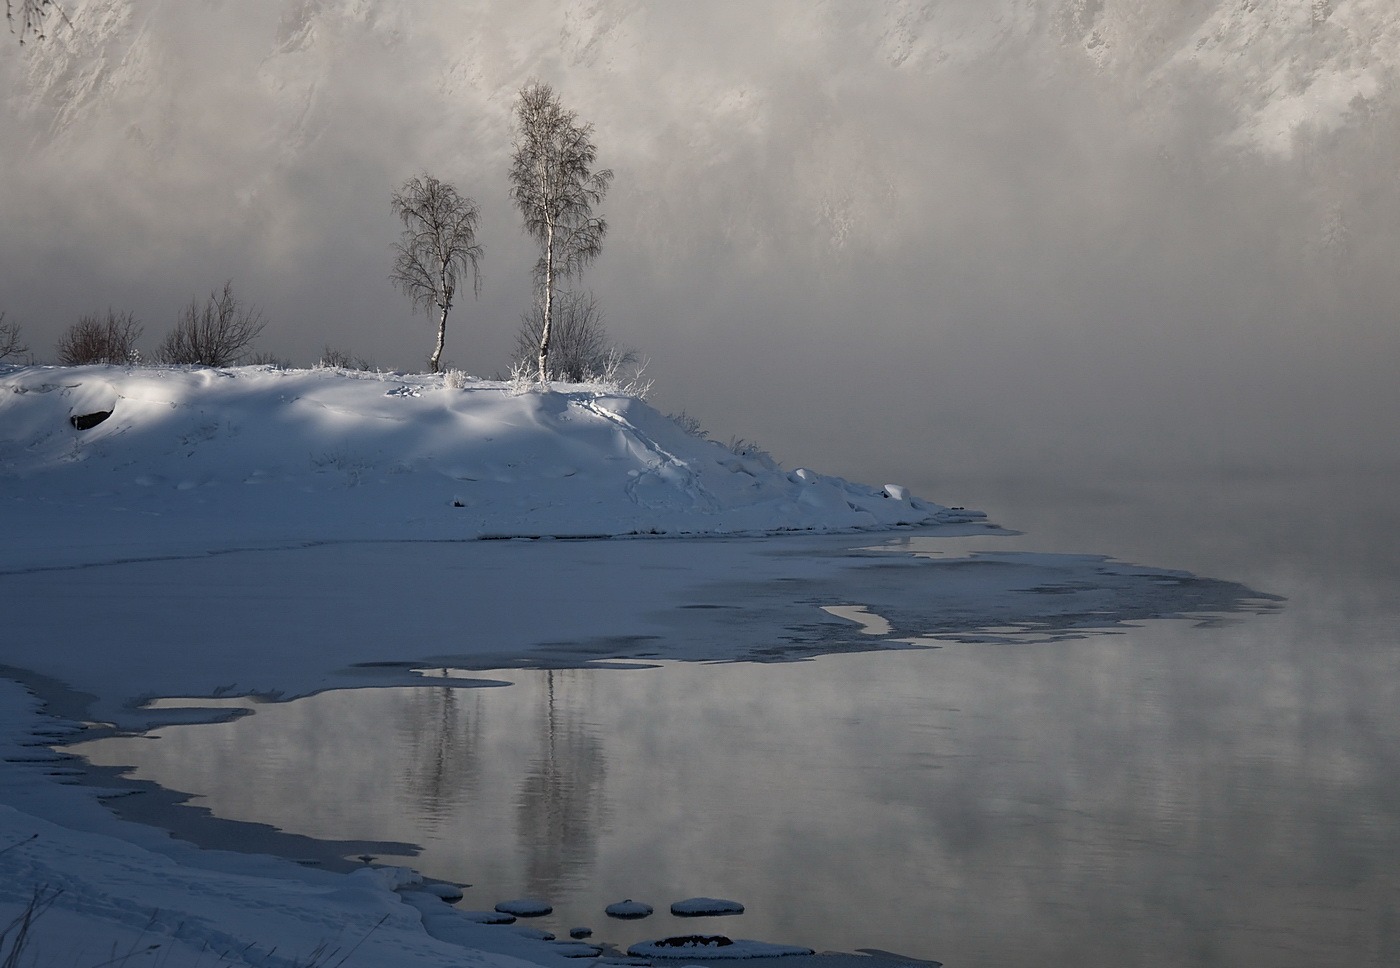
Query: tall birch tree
{"x": 555, "y": 186}
{"x": 436, "y": 249}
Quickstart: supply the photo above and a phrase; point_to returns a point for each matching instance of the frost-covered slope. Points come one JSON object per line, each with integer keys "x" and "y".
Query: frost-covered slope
{"x": 217, "y": 458}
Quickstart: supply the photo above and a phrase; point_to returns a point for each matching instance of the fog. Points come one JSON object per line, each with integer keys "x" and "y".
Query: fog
{"x": 928, "y": 243}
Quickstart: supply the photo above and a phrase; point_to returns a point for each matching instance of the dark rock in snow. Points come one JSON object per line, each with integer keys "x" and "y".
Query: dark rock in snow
{"x": 86, "y": 421}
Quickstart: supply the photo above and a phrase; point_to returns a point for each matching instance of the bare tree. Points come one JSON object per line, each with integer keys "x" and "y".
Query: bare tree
{"x": 215, "y": 334}
{"x": 31, "y": 15}
{"x": 580, "y": 348}
{"x": 100, "y": 340}
{"x": 436, "y": 249}
{"x": 555, "y": 186}
{"x": 10, "y": 343}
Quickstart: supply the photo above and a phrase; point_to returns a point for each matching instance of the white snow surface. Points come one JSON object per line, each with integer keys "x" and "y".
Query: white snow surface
{"x": 198, "y": 459}
{"x": 196, "y": 469}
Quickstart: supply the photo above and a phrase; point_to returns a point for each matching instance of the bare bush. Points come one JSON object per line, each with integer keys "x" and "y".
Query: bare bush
{"x": 580, "y": 350}
{"x": 337, "y": 359}
{"x": 93, "y": 339}
{"x": 690, "y": 425}
{"x": 215, "y": 334}
{"x": 270, "y": 359}
{"x": 10, "y": 342}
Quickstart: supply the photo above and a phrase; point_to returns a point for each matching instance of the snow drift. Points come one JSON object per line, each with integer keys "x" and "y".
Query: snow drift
{"x": 240, "y": 456}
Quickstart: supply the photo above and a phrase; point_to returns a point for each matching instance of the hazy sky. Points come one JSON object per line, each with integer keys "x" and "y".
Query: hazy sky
{"x": 914, "y": 240}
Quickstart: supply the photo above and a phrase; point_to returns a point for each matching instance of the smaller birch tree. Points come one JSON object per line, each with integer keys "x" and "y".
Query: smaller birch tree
{"x": 437, "y": 248}
{"x": 555, "y": 186}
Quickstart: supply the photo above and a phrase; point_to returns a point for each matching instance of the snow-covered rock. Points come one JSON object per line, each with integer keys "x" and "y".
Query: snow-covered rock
{"x": 525, "y": 907}
{"x": 628, "y": 910}
{"x": 699, "y": 907}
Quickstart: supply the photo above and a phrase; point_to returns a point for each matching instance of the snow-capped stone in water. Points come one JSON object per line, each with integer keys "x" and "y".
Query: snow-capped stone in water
{"x": 450, "y": 893}
{"x": 580, "y": 932}
{"x": 525, "y": 907}
{"x": 704, "y": 907}
{"x": 628, "y": 910}
{"x": 534, "y": 934}
{"x": 488, "y": 917}
{"x": 711, "y": 947}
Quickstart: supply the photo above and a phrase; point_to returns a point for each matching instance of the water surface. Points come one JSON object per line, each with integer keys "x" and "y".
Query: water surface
{"x": 1217, "y": 790}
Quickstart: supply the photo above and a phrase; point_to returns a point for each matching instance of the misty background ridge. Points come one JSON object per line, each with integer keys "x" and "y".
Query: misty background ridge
{"x": 990, "y": 234}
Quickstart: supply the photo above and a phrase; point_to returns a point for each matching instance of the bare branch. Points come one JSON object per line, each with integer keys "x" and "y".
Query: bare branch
{"x": 32, "y": 14}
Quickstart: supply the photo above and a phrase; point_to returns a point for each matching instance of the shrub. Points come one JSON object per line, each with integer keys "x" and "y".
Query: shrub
{"x": 10, "y": 344}
{"x": 580, "y": 350}
{"x": 215, "y": 334}
{"x": 332, "y": 358}
{"x": 690, "y": 425}
{"x": 95, "y": 340}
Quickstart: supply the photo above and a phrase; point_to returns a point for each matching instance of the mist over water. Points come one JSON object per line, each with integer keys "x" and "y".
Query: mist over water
{"x": 936, "y": 239}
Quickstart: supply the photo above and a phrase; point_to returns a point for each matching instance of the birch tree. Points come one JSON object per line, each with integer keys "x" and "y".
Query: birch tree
{"x": 436, "y": 249}
{"x": 555, "y": 186}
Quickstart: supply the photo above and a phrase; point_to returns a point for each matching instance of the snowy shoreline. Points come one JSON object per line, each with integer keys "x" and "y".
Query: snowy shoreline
{"x": 144, "y": 505}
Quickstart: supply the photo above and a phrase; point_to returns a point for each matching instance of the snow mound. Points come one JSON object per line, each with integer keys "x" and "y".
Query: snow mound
{"x": 700, "y": 907}
{"x": 257, "y": 454}
{"x": 628, "y": 910}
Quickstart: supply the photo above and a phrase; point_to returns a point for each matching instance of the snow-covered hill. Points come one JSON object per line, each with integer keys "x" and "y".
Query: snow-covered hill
{"x": 223, "y": 458}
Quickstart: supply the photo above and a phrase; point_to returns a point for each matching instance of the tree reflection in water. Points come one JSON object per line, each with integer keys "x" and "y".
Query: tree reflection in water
{"x": 561, "y": 806}
{"x": 442, "y": 770}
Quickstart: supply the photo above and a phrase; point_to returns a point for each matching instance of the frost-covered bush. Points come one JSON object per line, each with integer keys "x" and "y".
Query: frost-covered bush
{"x": 689, "y": 424}
{"x": 455, "y": 379}
{"x": 750, "y": 449}
{"x": 333, "y": 358}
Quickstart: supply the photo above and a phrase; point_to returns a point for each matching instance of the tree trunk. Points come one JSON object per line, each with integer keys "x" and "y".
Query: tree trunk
{"x": 442, "y": 338}
{"x": 548, "y": 303}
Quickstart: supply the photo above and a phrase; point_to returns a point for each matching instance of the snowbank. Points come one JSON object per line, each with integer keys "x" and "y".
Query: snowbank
{"x": 176, "y": 458}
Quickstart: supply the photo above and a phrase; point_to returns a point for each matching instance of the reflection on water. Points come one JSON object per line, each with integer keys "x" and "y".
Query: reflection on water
{"x": 1223, "y": 794}
{"x": 438, "y": 727}
{"x": 561, "y": 805}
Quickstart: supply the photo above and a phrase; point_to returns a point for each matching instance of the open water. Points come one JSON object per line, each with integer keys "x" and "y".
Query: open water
{"x": 1220, "y": 789}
